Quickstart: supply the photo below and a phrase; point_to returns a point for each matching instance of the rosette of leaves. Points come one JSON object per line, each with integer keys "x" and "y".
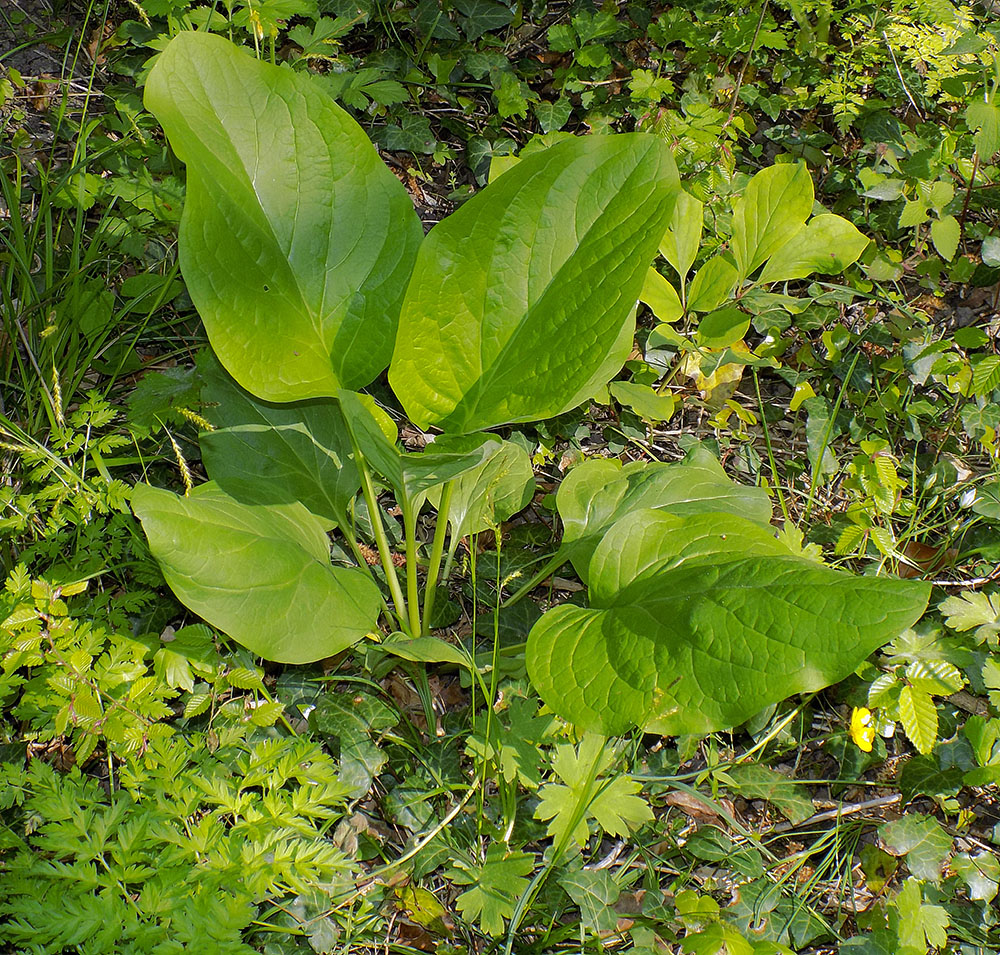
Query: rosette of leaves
{"x": 304, "y": 256}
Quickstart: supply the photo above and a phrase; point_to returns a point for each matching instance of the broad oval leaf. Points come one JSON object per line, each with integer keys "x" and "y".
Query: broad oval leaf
{"x": 679, "y": 245}
{"x": 723, "y": 328}
{"x": 828, "y": 245}
{"x": 702, "y": 640}
{"x": 522, "y": 302}
{"x": 266, "y": 453}
{"x": 599, "y": 492}
{"x": 661, "y": 297}
{"x": 490, "y": 493}
{"x": 296, "y": 242}
{"x": 712, "y": 284}
{"x": 411, "y": 474}
{"x": 774, "y": 207}
{"x": 262, "y": 574}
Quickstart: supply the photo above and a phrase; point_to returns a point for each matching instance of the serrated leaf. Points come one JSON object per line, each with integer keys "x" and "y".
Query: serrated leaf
{"x": 584, "y": 794}
{"x": 984, "y": 119}
{"x": 296, "y": 299}
{"x": 986, "y": 375}
{"x": 697, "y": 623}
{"x": 921, "y": 840}
{"x": 973, "y": 609}
{"x": 919, "y": 717}
{"x": 497, "y": 884}
{"x": 945, "y": 233}
{"x": 496, "y": 329}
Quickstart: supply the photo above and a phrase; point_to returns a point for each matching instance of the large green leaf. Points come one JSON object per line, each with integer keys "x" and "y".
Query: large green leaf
{"x": 296, "y": 242}
{"x": 774, "y": 207}
{"x": 491, "y": 492}
{"x": 698, "y": 623}
{"x": 600, "y": 491}
{"x": 680, "y": 243}
{"x": 411, "y": 474}
{"x": 266, "y": 453}
{"x": 828, "y": 244}
{"x": 522, "y": 302}
{"x": 262, "y": 574}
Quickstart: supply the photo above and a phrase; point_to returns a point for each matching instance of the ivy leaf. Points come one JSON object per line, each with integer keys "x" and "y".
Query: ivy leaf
{"x": 755, "y": 781}
{"x": 919, "y": 717}
{"x": 583, "y": 795}
{"x": 980, "y": 873}
{"x": 921, "y": 840}
{"x": 497, "y": 884}
{"x": 595, "y": 892}
{"x": 352, "y": 718}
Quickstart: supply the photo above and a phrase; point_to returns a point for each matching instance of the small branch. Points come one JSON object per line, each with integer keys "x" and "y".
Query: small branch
{"x": 838, "y": 813}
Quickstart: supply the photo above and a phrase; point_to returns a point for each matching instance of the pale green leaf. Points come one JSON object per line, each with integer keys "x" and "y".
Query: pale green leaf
{"x": 661, "y": 297}
{"x": 583, "y": 794}
{"x": 986, "y": 375}
{"x": 828, "y": 244}
{"x": 522, "y": 301}
{"x": 700, "y": 639}
{"x": 980, "y": 873}
{"x": 919, "y": 717}
{"x": 598, "y": 492}
{"x": 712, "y": 284}
{"x": 643, "y": 400}
{"x": 496, "y": 885}
{"x": 489, "y": 493}
{"x": 921, "y": 840}
{"x": 296, "y": 242}
{"x": 679, "y": 245}
{"x": 773, "y": 209}
{"x": 984, "y": 118}
{"x": 262, "y": 574}
{"x": 945, "y": 233}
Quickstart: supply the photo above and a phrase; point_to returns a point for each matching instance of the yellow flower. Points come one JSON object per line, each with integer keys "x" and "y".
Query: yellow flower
{"x": 862, "y": 729}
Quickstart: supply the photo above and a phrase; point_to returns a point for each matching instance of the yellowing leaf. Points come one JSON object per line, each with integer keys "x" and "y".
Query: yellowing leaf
{"x": 862, "y": 729}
